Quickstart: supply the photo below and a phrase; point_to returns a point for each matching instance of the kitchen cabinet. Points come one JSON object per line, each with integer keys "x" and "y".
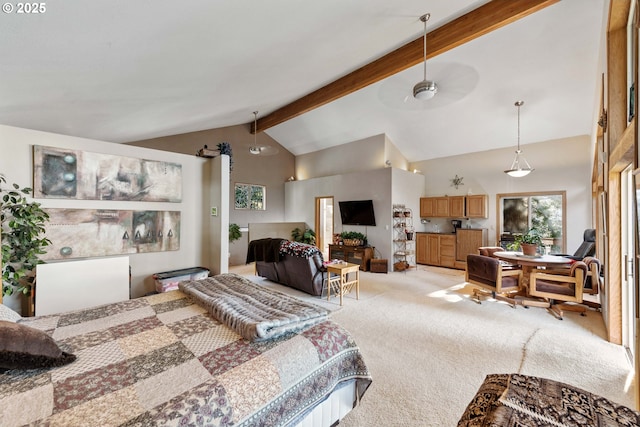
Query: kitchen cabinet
{"x": 471, "y": 206}
{"x": 421, "y": 248}
{"x": 468, "y": 240}
{"x": 436, "y": 249}
{"x": 456, "y": 206}
{"x": 476, "y": 206}
{"x": 434, "y": 207}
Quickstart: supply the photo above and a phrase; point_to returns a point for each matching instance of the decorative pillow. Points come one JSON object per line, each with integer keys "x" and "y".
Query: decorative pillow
{"x": 24, "y": 347}
{"x": 7, "y": 314}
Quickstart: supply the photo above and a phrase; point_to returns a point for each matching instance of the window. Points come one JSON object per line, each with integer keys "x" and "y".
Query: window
{"x": 250, "y": 196}
{"x": 544, "y": 211}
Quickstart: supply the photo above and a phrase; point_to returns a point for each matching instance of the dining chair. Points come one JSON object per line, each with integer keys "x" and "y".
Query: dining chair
{"x": 491, "y": 250}
{"x": 492, "y": 279}
{"x": 558, "y": 292}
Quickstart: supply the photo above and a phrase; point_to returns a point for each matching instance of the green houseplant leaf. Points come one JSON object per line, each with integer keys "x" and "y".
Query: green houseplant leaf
{"x": 234, "y": 232}
{"x": 23, "y": 224}
{"x": 304, "y": 236}
{"x": 532, "y": 237}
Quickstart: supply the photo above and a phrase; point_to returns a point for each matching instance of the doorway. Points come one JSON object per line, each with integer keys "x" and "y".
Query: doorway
{"x": 324, "y": 224}
{"x": 627, "y": 260}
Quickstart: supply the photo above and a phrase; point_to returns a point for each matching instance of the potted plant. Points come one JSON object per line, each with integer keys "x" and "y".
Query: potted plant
{"x": 528, "y": 242}
{"x": 353, "y": 238}
{"x": 234, "y": 232}
{"x": 23, "y": 226}
{"x": 225, "y": 148}
{"x": 307, "y": 236}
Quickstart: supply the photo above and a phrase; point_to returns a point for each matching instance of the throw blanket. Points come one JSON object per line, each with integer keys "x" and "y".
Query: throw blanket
{"x": 254, "y": 312}
{"x": 267, "y": 250}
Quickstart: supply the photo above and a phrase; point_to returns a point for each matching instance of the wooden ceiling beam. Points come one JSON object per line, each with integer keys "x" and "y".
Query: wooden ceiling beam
{"x": 480, "y": 21}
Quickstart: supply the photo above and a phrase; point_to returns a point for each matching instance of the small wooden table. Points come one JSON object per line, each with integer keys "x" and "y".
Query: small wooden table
{"x": 339, "y": 282}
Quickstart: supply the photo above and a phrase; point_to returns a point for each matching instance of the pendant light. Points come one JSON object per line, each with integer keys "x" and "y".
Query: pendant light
{"x": 426, "y": 89}
{"x": 520, "y": 167}
{"x": 255, "y": 149}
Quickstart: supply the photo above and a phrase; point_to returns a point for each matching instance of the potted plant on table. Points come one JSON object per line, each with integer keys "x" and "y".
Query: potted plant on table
{"x": 528, "y": 242}
{"x": 353, "y": 238}
{"x": 23, "y": 243}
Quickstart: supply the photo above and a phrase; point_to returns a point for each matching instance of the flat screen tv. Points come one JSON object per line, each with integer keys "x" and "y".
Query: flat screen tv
{"x": 357, "y": 212}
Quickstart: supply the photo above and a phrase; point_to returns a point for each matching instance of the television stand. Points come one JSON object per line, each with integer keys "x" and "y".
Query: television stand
{"x": 360, "y": 255}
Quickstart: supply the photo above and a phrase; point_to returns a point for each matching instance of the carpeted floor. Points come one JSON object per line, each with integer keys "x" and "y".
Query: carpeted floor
{"x": 429, "y": 347}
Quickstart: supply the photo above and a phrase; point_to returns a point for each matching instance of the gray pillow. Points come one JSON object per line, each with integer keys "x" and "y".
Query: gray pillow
{"x": 7, "y": 314}
{"x": 24, "y": 347}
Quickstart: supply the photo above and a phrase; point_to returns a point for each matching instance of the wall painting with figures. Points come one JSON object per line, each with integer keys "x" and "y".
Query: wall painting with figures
{"x": 80, "y": 233}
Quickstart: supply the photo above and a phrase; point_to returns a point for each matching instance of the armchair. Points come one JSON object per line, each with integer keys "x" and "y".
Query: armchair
{"x": 593, "y": 282}
{"x": 586, "y": 248}
{"x": 551, "y": 288}
{"x": 490, "y": 250}
{"x": 487, "y": 273}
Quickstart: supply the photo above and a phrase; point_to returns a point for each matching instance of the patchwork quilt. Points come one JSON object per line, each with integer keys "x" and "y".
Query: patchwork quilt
{"x": 163, "y": 360}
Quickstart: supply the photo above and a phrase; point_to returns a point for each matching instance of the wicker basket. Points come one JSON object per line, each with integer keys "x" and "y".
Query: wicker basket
{"x": 352, "y": 242}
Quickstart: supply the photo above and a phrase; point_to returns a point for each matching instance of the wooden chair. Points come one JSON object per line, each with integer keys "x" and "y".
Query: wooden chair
{"x": 493, "y": 280}
{"x": 551, "y": 288}
{"x": 594, "y": 281}
{"x": 491, "y": 250}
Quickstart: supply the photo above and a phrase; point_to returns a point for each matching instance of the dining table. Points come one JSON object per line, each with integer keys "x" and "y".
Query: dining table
{"x": 531, "y": 262}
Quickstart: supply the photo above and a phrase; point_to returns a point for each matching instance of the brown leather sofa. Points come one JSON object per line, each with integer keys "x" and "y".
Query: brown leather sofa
{"x": 297, "y": 265}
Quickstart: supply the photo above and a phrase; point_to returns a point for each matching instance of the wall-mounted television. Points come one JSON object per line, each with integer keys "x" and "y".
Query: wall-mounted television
{"x": 357, "y": 212}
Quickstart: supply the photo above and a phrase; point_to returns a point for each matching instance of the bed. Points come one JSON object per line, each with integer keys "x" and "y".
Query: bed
{"x": 165, "y": 359}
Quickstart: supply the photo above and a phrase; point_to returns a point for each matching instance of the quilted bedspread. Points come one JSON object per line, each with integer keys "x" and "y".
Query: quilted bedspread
{"x": 163, "y": 360}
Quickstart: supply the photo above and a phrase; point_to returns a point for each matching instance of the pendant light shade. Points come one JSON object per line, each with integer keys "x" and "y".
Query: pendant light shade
{"x": 520, "y": 167}
{"x": 426, "y": 89}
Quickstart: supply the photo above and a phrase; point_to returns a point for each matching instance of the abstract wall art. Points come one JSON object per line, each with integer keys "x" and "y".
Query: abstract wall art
{"x": 74, "y": 174}
{"x": 81, "y": 233}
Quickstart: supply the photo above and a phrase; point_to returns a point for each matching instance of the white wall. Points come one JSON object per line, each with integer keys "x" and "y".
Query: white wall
{"x": 16, "y": 163}
{"x": 361, "y": 155}
{"x": 559, "y": 165}
{"x": 384, "y": 186}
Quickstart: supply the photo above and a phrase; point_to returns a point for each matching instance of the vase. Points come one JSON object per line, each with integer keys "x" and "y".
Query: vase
{"x": 528, "y": 248}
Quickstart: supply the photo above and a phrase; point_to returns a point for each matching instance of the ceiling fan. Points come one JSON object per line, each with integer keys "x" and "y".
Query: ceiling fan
{"x": 260, "y": 150}
{"x": 455, "y": 81}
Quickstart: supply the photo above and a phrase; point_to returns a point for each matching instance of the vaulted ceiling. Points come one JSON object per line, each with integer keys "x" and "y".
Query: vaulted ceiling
{"x": 122, "y": 71}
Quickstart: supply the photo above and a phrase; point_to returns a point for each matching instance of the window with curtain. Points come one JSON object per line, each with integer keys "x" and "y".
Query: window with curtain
{"x": 544, "y": 211}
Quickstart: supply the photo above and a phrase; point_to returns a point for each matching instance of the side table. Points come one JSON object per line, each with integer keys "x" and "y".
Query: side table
{"x": 339, "y": 281}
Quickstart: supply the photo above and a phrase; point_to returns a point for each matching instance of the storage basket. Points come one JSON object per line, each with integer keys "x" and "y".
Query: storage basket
{"x": 379, "y": 265}
{"x": 352, "y": 242}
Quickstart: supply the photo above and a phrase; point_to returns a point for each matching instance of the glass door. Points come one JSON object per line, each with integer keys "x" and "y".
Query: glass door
{"x": 627, "y": 267}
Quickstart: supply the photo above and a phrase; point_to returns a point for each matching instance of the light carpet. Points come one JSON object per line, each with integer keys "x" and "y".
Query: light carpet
{"x": 429, "y": 347}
